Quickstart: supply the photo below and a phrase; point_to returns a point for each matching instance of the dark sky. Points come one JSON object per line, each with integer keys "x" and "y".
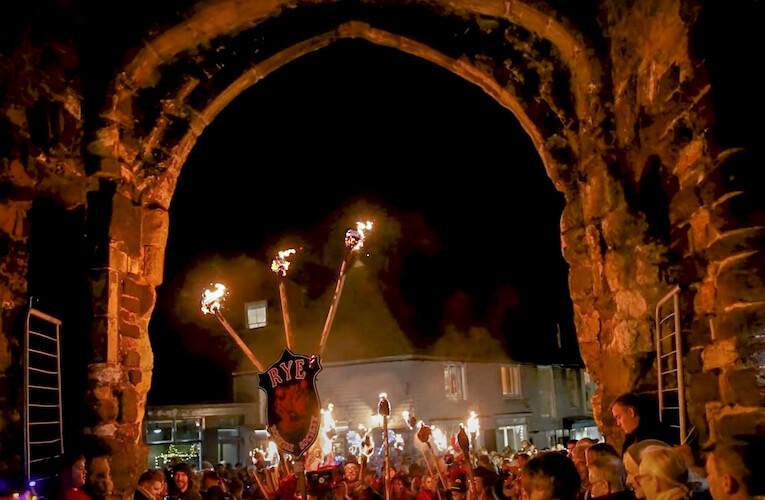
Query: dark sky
{"x": 357, "y": 122}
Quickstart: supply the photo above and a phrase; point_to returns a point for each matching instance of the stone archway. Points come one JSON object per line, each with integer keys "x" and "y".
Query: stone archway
{"x": 543, "y": 76}
{"x": 622, "y": 128}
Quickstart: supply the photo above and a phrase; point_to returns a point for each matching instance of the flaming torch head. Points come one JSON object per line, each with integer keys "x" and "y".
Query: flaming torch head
{"x": 473, "y": 426}
{"x": 383, "y": 406}
{"x": 280, "y": 265}
{"x": 424, "y": 433}
{"x": 411, "y": 422}
{"x": 354, "y": 238}
{"x": 462, "y": 440}
{"x": 212, "y": 300}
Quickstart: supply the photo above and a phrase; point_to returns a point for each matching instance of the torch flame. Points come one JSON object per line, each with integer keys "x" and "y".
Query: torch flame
{"x": 354, "y": 238}
{"x": 211, "y": 301}
{"x": 473, "y": 426}
{"x": 410, "y": 420}
{"x": 280, "y": 265}
{"x": 439, "y": 438}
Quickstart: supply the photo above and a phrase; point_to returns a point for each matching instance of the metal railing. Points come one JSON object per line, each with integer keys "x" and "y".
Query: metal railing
{"x": 43, "y": 424}
{"x": 669, "y": 362}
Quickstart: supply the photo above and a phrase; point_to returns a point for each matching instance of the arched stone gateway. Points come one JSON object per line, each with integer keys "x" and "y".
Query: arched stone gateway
{"x": 619, "y": 115}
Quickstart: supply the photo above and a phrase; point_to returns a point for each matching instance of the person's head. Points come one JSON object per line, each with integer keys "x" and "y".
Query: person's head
{"x": 429, "y": 483}
{"x": 523, "y": 459}
{"x": 398, "y": 484}
{"x": 210, "y": 479}
{"x": 151, "y": 483}
{"x": 458, "y": 489}
{"x": 550, "y": 476}
{"x": 570, "y": 445}
{"x": 626, "y": 410}
{"x": 599, "y": 450}
{"x": 73, "y": 471}
{"x": 606, "y": 476}
{"x": 510, "y": 486}
{"x": 632, "y": 458}
{"x": 182, "y": 477}
{"x": 351, "y": 469}
{"x": 236, "y": 487}
{"x": 661, "y": 469}
{"x": 731, "y": 467}
{"x": 159, "y": 475}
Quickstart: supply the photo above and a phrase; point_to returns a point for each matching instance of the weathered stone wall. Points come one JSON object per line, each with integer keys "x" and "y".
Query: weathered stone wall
{"x": 620, "y": 115}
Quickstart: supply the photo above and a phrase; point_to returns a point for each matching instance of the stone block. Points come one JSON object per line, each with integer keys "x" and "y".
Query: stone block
{"x": 702, "y": 233}
{"x": 740, "y": 322}
{"x": 735, "y": 242}
{"x": 727, "y": 421}
{"x": 705, "y": 298}
{"x": 99, "y": 477}
{"x": 128, "y": 405}
{"x": 619, "y": 267}
{"x": 155, "y": 227}
{"x": 135, "y": 376}
{"x": 131, "y": 359}
{"x": 125, "y": 225}
{"x": 741, "y": 278}
{"x": 573, "y": 244}
{"x": 683, "y": 205}
{"x": 689, "y": 155}
{"x": 130, "y": 330}
{"x": 702, "y": 387}
{"x": 130, "y": 304}
{"x": 154, "y": 264}
{"x": 743, "y": 387}
{"x": 145, "y": 293}
{"x": 723, "y": 354}
{"x": 118, "y": 259}
{"x": 631, "y": 304}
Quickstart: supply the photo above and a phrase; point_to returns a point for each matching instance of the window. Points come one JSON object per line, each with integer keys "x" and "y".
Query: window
{"x": 572, "y": 387}
{"x": 256, "y": 314}
{"x": 513, "y": 435}
{"x": 454, "y": 379}
{"x": 546, "y": 391}
{"x": 511, "y": 380}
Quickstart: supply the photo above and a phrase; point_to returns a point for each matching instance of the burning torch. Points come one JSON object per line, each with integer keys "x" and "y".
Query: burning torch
{"x": 414, "y": 425}
{"x": 464, "y": 443}
{"x": 474, "y": 429}
{"x": 383, "y": 409}
{"x": 211, "y": 304}
{"x": 354, "y": 240}
{"x": 280, "y": 265}
{"x": 423, "y": 434}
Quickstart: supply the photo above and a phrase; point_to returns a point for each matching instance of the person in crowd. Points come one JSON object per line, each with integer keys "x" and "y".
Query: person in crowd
{"x": 159, "y": 475}
{"x": 579, "y": 458}
{"x": 429, "y": 489}
{"x": 638, "y": 417}
{"x": 73, "y": 477}
{"x": 570, "y": 446}
{"x": 607, "y": 479}
{"x": 523, "y": 459}
{"x": 458, "y": 488}
{"x": 184, "y": 489}
{"x": 632, "y": 457}
{"x": 149, "y": 487}
{"x": 510, "y": 487}
{"x": 236, "y": 489}
{"x": 550, "y": 476}
{"x": 399, "y": 489}
{"x": 663, "y": 474}
{"x": 732, "y": 468}
{"x": 485, "y": 480}
{"x": 600, "y": 450}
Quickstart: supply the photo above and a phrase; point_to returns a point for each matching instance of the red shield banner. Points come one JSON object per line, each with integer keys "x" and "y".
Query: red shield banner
{"x": 293, "y": 403}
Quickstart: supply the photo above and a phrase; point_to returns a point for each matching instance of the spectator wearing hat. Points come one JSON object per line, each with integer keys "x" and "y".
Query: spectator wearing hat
{"x": 184, "y": 489}
{"x": 732, "y": 470}
{"x": 458, "y": 488}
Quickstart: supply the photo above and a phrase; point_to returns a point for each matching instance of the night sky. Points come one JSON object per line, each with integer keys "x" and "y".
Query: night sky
{"x": 360, "y": 124}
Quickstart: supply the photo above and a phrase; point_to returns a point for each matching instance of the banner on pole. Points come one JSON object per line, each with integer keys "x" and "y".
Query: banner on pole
{"x": 292, "y": 400}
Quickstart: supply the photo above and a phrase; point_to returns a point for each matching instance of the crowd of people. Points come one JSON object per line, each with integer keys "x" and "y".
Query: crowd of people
{"x": 650, "y": 466}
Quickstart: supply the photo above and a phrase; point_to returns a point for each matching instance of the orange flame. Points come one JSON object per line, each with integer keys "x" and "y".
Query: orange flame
{"x": 211, "y": 301}
{"x": 354, "y": 238}
{"x": 280, "y": 265}
{"x": 473, "y": 426}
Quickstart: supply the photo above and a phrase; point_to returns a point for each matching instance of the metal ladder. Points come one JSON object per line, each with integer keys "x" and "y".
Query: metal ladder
{"x": 43, "y": 425}
{"x": 669, "y": 362}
